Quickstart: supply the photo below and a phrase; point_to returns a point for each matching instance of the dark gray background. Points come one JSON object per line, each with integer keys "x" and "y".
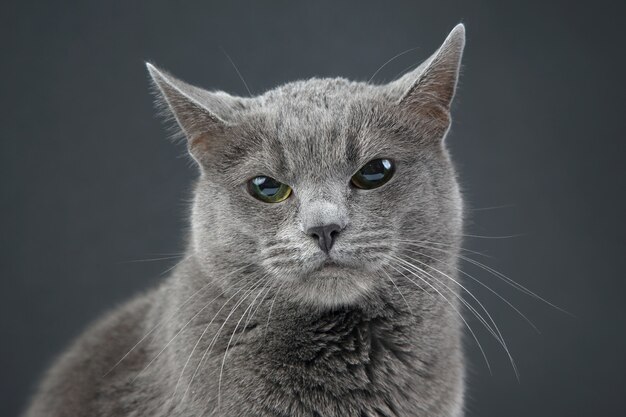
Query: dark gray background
{"x": 90, "y": 183}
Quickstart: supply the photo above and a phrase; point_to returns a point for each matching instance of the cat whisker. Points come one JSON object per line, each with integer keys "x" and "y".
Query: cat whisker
{"x": 389, "y": 61}
{"x": 429, "y": 242}
{"x": 406, "y": 70}
{"x": 470, "y": 307}
{"x": 164, "y": 258}
{"x": 209, "y": 348}
{"x": 503, "y": 206}
{"x": 448, "y": 302}
{"x": 480, "y": 283}
{"x": 513, "y": 283}
{"x": 495, "y": 330}
{"x": 245, "y": 325}
{"x": 489, "y": 237}
{"x": 365, "y": 242}
{"x": 176, "y": 264}
{"x": 397, "y": 288}
{"x": 492, "y": 237}
{"x": 368, "y": 236}
{"x": 491, "y": 271}
{"x": 451, "y": 279}
{"x": 171, "y": 316}
{"x": 269, "y": 314}
{"x": 365, "y": 248}
{"x": 200, "y": 338}
{"x": 175, "y": 336}
{"x": 219, "y": 383}
{"x": 237, "y": 70}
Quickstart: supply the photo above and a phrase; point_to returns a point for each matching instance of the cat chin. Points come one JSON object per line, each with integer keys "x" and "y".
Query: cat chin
{"x": 332, "y": 288}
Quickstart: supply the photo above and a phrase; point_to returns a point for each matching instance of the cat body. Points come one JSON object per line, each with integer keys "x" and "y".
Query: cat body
{"x": 330, "y": 302}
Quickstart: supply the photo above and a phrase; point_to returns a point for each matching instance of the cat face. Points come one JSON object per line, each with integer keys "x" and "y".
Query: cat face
{"x": 318, "y": 183}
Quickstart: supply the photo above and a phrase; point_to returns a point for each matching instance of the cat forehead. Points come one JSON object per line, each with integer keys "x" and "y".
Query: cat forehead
{"x": 310, "y": 136}
{"x": 324, "y": 92}
{"x": 309, "y": 120}
{"x": 316, "y": 111}
{"x": 317, "y": 104}
{"x": 314, "y": 104}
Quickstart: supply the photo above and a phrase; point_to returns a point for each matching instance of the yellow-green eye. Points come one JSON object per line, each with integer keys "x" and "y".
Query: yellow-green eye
{"x": 374, "y": 174}
{"x": 268, "y": 189}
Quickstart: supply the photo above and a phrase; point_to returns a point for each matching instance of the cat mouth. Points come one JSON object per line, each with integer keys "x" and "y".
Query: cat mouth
{"x": 331, "y": 264}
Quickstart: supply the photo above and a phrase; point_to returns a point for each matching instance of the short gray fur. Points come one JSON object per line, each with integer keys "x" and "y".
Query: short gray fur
{"x": 369, "y": 336}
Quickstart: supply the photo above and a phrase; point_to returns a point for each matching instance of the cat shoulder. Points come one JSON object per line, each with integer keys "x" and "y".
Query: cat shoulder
{"x": 78, "y": 377}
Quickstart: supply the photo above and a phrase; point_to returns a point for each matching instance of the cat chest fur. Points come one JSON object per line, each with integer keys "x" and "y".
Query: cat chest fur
{"x": 338, "y": 364}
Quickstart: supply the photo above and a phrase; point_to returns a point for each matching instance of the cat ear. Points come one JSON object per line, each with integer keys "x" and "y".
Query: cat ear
{"x": 430, "y": 87}
{"x": 202, "y": 115}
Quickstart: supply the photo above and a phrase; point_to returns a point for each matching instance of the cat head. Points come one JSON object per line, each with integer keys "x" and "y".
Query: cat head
{"x": 318, "y": 184}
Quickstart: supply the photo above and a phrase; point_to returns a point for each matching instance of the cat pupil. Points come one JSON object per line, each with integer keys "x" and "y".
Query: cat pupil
{"x": 373, "y": 174}
{"x": 376, "y": 170}
{"x": 266, "y": 185}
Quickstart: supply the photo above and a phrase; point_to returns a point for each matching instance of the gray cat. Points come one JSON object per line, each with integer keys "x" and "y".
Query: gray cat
{"x": 319, "y": 278}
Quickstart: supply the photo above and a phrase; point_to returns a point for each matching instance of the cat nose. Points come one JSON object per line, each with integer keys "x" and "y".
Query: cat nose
{"x": 325, "y": 235}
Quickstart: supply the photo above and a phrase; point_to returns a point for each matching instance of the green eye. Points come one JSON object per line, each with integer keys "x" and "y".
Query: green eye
{"x": 374, "y": 174}
{"x": 268, "y": 189}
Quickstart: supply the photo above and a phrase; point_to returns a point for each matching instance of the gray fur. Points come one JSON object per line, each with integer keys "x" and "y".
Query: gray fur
{"x": 355, "y": 339}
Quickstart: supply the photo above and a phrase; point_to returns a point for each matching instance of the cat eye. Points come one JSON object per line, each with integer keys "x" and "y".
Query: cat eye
{"x": 373, "y": 174}
{"x": 269, "y": 190}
